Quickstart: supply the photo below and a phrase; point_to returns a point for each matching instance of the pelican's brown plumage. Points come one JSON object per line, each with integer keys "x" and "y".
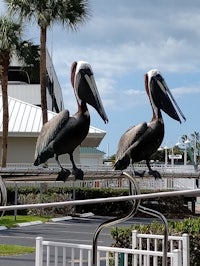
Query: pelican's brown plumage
{"x": 63, "y": 133}
{"x": 140, "y": 142}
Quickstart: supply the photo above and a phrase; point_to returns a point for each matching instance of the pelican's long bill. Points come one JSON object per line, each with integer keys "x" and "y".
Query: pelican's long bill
{"x": 88, "y": 91}
{"x": 162, "y": 97}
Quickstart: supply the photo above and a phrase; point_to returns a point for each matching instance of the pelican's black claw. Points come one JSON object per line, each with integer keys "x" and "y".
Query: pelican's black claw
{"x": 78, "y": 174}
{"x": 63, "y": 175}
{"x": 156, "y": 174}
{"x": 140, "y": 174}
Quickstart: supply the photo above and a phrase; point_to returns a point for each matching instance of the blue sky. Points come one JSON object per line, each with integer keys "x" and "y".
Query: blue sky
{"x": 122, "y": 41}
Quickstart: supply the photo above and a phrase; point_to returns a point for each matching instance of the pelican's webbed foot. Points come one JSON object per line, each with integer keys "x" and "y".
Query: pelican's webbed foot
{"x": 78, "y": 173}
{"x": 139, "y": 173}
{"x": 154, "y": 173}
{"x": 63, "y": 175}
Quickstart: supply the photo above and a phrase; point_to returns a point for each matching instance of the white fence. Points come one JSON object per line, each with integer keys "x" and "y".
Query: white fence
{"x": 143, "y": 183}
{"x": 162, "y": 168}
{"x": 156, "y": 242}
{"x": 49, "y": 253}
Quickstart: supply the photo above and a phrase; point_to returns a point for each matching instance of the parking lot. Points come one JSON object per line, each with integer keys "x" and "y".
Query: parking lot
{"x": 76, "y": 230}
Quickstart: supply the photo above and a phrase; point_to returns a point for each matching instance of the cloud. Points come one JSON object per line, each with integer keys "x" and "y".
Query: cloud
{"x": 192, "y": 91}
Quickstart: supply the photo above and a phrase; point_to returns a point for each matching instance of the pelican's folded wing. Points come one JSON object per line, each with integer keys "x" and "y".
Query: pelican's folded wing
{"x": 130, "y": 138}
{"x": 50, "y": 130}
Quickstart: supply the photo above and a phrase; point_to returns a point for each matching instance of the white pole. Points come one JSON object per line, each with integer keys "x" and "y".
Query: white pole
{"x": 39, "y": 252}
{"x": 165, "y": 155}
{"x": 172, "y": 160}
{"x": 186, "y": 250}
{"x": 195, "y": 145}
{"x": 177, "y": 257}
{"x": 185, "y": 156}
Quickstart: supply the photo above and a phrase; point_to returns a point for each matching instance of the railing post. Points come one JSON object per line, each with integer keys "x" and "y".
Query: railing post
{"x": 134, "y": 245}
{"x": 39, "y": 252}
{"x": 177, "y": 260}
{"x": 134, "y": 239}
{"x": 186, "y": 250}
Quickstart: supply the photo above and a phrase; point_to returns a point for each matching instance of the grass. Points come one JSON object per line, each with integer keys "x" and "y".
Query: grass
{"x": 10, "y": 250}
{"x": 9, "y": 220}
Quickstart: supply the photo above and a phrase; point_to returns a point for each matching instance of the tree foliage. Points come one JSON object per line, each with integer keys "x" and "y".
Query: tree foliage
{"x": 69, "y": 13}
{"x": 11, "y": 43}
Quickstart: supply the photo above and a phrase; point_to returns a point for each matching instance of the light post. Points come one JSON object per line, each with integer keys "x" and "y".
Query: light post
{"x": 184, "y": 143}
{"x": 166, "y": 161}
{"x": 195, "y": 150}
{"x": 172, "y": 158}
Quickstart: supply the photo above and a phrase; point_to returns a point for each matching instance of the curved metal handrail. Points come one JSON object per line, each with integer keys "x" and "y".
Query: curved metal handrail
{"x": 133, "y": 190}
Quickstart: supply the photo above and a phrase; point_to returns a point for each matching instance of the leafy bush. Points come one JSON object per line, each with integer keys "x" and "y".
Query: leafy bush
{"x": 122, "y": 236}
{"x": 171, "y": 207}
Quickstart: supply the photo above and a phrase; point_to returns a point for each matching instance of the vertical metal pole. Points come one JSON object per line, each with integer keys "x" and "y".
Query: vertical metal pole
{"x": 133, "y": 190}
{"x": 16, "y": 196}
{"x": 3, "y": 195}
{"x": 163, "y": 219}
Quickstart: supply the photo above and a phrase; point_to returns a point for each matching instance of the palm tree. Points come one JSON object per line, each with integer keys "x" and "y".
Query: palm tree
{"x": 70, "y": 13}
{"x": 10, "y": 43}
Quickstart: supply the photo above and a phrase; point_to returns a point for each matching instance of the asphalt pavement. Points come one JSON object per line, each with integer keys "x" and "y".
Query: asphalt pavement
{"x": 76, "y": 230}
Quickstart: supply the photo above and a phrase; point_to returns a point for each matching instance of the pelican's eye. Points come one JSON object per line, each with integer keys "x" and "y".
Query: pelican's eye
{"x": 86, "y": 71}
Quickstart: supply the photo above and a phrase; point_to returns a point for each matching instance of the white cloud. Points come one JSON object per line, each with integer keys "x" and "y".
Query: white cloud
{"x": 186, "y": 91}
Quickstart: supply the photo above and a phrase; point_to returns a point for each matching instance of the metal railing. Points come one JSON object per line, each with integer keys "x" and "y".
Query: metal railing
{"x": 155, "y": 243}
{"x": 58, "y": 253}
{"x": 104, "y": 167}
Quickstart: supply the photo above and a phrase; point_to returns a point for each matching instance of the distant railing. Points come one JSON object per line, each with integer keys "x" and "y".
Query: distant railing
{"x": 104, "y": 167}
{"x": 106, "y": 182}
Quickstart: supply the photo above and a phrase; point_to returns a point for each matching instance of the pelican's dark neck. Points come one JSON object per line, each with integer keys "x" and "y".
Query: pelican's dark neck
{"x": 82, "y": 107}
{"x": 157, "y": 115}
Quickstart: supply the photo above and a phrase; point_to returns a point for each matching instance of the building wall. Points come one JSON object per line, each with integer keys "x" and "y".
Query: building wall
{"x": 30, "y": 93}
{"x": 91, "y": 159}
{"x": 21, "y": 150}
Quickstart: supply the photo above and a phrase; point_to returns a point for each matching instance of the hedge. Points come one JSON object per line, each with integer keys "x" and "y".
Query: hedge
{"x": 122, "y": 236}
{"x": 171, "y": 207}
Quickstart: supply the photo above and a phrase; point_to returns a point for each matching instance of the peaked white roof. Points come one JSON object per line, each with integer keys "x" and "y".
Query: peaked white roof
{"x": 26, "y": 119}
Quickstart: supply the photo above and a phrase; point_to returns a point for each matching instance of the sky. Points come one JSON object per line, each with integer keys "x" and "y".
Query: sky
{"x": 122, "y": 40}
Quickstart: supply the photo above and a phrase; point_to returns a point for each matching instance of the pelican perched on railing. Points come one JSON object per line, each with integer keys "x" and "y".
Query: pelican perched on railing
{"x": 140, "y": 142}
{"x": 63, "y": 133}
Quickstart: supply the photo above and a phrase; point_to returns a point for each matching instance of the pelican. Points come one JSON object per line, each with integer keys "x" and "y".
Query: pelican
{"x": 141, "y": 141}
{"x": 63, "y": 133}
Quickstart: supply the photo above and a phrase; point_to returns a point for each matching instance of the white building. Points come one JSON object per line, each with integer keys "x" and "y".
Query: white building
{"x": 26, "y": 88}
{"x": 25, "y": 115}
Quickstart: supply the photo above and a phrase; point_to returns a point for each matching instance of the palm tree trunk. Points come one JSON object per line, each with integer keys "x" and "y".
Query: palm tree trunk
{"x": 4, "y": 85}
{"x": 43, "y": 74}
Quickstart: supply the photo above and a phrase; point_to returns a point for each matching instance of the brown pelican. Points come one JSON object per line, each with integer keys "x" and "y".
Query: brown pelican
{"x": 63, "y": 133}
{"x": 140, "y": 142}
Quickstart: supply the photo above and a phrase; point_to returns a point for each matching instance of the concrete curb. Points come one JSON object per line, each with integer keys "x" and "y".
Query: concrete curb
{"x": 29, "y": 223}
{"x": 2, "y": 227}
{"x": 86, "y": 215}
{"x": 65, "y": 218}
{"x": 58, "y": 219}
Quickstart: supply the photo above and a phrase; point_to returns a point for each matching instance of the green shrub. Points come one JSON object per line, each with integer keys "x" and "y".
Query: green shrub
{"x": 171, "y": 207}
{"x": 122, "y": 236}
